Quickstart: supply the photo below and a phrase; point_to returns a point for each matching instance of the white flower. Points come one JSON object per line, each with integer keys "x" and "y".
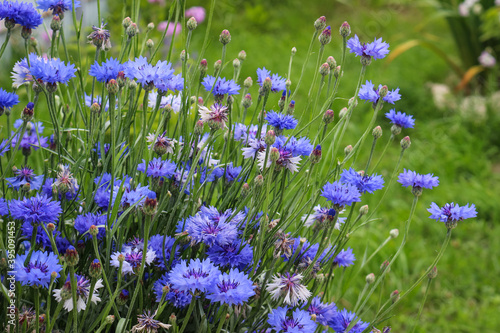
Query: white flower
{"x": 82, "y": 291}
{"x": 289, "y": 286}
{"x": 286, "y": 160}
{"x": 133, "y": 259}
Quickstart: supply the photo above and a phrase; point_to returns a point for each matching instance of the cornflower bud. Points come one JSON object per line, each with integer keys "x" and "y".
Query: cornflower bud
{"x": 184, "y": 56}
{"x": 242, "y": 55}
{"x": 395, "y": 130}
{"x": 345, "y": 29}
{"x": 217, "y": 66}
{"x": 150, "y": 44}
{"x": 245, "y": 190}
{"x": 71, "y": 256}
{"x": 294, "y": 50}
{"x": 343, "y": 112}
{"x": 433, "y": 273}
{"x": 258, "y": 180}
{"x": 377, "y": 132}
{"x": 172, "y": 319}
{"x": 384, "y": 267}
{"x": 121, "y": 79}
{"x": 95, "y": 269}
{"x": 337, "y": 72}
{"x": 274, "y": 154}
{"x": 328, "y": 117}
{"x": 51, "y": 227}
{"x": 28, "y": 112}
{"x": 324, "y": 69}
{"x": 123, "y": 297}
{"x": 347, "y": 150}
{"x": 247, "y": 101}
{"x": 110, "y": 319}
{"x": 405, "y": 142}
{"x": 126, "y": 22}
{"x": 198, "y": 128}
{"x": 395, "y": 296}
{"x": 394, "y": 233}
{"x": 248, "y": 82}
{"x": 383, "y": 91}
{"x": 270, "y": 138}
{"x": 93, "y": 230}
{"x": 370, "y": 278}
{"x": 291, "y": 108}
{"x": 363, "y": 210}
{"x": 132, "y": 30}
{"x": 113, "y": 87}
{"x": 320, "y": 23}
{"x": 236, "y": 63}
{"x": 33, "y": 42}
{"x": 331, "y": 62}
{"x": 55, "y": 24}
{"x": 191, "y": 24}
{"x": 225, "y": 37}
{"x": 326, "y": 36}
{"x": 315, "y": 156}
{"x": 266, "y": 86}
{"x": 132, "y": 85}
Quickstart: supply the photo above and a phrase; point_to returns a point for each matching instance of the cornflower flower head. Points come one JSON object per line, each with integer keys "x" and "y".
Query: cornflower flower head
{"x": 233, "y": 288}
{"x": 37, "y": 272}
{"x": 162, "y": 145}
{"x": 377, "y": 49}
{"x": 133, "y": 196}
{"x": 24, "y": 176}
{"x": 400, "y": 119}
{"x": 246, "y": 134}
{"x": 31, "y": 138}
{"x": 148, "y": 75}
{"x": 290, "y": 287}
{"x": 216, "y": 117}
{"x": 35, "y": 210}
{"x": 323, "y": 217}
{"x": 220, "y": 87}
{"x": 57, "y": 6}
{"x": 341, "y": 321}
{"x": 452, "y": 213}
{"x": 202, "y": 229}
{"x": 21, "y": 73}
{"x": 133, "y": 259}
{"x": 179, "y": 299}
{"x": 100, "y": 37}
{"x": 175, "y": 101}
{"x": 173, "y": 83}
{"x": 7, "y": 100}
{"x": 82, "y": 293}
{"x": 278, "y": 83}
{"x": 4, "y": 207}
{"x": 157, "y": 168}
{"x": 235, "y": 255}
{"x": 341, "y": 194}
{"x": 22, "y": 13}
{"x": 368, "y": 93}
{"x": 147, "y": 323}
{"x": 345, "y": 258}
{"x": 322, "y": 311}
{"x": 299, "y": 321}
{"x": 198, "y": 275}
{"x": 4, "y": 147}
{"x": 84, "y": 222}
{"x": 65, "y": 182}
{"x": 289, "y": 152}
{"x": 51, "y": 71}
{"x": 162, "y": 246}
{"x": 215, "y": 216}
{"x": 363, "y": 183}
{"x": 417, "y": 181}
{"x": 107, "y": 70}
{"x": 281, "y": 121}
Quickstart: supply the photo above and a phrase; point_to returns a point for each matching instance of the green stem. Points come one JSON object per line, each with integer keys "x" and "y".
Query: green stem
{"x": 188, "y": 315}
{"x": 4, "y": 45}
{"x": 73, "y": 293}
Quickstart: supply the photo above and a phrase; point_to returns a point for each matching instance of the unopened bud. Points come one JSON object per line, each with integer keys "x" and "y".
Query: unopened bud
{"x": 259, "y": 180}
{"x": 248, "y": 82}
{"x": 320, "y": 23}
{"x": 198, "y": 128}
{"x": 405, "y": 142}
{"x": 132, "y": 30}
{"x": 242, "y": 55}
{"x": 315, "y": 156}
{"x": 247, "y": 101}
{"x": 51, "y": 227}
{"x": 383, "y": 91}
{"x": 347, "y": 150}
{"x": 245, "y": 190}
{"x": 71, "y": 256}
{"x": 33, "y": 42}
{"x": 236, "y": 63}
{"x": 274, "y": 154}
{"x": 112, "y": 87}
{"x": 28, "y": 112}
{"x": 370, "y": 278}
{"x": 93, "y": 230}
{"x": 324, "y": 69}
{"x": 377, "y": 132}
{"x": 150, "y": 44}
{"x": 270, "y": 138}
{"x": 433, "y": 273}
{"x": 329, "y": 116}
{"x": 326, "y": 36}
{"x": 191, "y": 24}
{"x": 266, "y": 85}
{"x": 110, "y": 319}
{"x": 394, "y": 233}
{"x": 95, "y": 269}
{"x": 225, "y": 37}
{"x": 126, "y": 22}
{"x": 331, "y": 62}
{"x": 385, "y": 267}
{"x": 395, "y": 296}
{"x": 291, "y": 108}
{"x": 363, "y": 210}
{"x": 56, "y": 23}
{"x": 294, "y": 50}
{"x": 184, "y": 56}
{"x": 345, "y": 29}
{"x": 343, "y": 112}
{"x": 150, "y": 26}
{"x": 132, "y": 85}
{"x": 172, "y": 319}
{"x": 217, "y": 66}
{"x": 337, "y": 72}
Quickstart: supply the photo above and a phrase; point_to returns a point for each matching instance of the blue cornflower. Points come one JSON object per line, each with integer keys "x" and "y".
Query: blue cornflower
{"x": 198, "y": 275}
{"x": 162, "y": 245}
{"x": 232, "y": 172}
{"x": 343, "y": 319}
{"x": 106, "y": 71}
{"x": 341, "y": 194}
{"x": 233, "y": 288}
{"x": 220, "y": 87}
{"x": 133, "y": 258}
{"x": 174, "y": 83}
{"x": 24, "y": 176}
{"x": 31, "y": 138}
{"x": 4, "y": 208}
{"x": 4, "y": 147}
{"x": 289, "y": 150}
{"x": 84, "y": 222}
{"x": 215, "y": 216}
{"x": 35, "y": 210}
{"x": 418, "y": 181}
{"x": 51, "y": 71}
{"x": 363, "y": 183}
{"x": 147, "y": 74}
{"x": 400, "y": 119}
{"x": 157, "y": 168}
{"x": 322, "y": 311}
{"x": 298, "y": 322}
{"x": 97, "y": 99}
{"x": 202, "y": 229}
{"x": 281, "y": 121}
{"x": 38, "y": 270}
{"x": 451, "y": 212}
{"x": 377, "y": 49}
{"x": 7, "y": 100}
{"x": 322, "y": 215}
{"x": 22, "y": 13}
{"x": 278, "y": 83}
{"x": 180, "y": 299}
{"x": 235, "y": 255}
{"x": 57, "y": 6}
{"x": 345, "y": 258}
{"x": 368, "y": 93}
{"x": 133, "y": 196}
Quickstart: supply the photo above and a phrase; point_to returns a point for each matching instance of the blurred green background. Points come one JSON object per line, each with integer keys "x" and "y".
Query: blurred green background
{"x": 455, "y": 137}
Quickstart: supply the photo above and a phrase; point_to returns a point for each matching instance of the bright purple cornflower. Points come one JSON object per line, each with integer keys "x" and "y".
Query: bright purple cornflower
{"x": 7, "y": 100}
{"x": 37, "y": 272}
{"x": 281, "y": 121}
{"x": 235, "y": 255}
{"x": 278, "y": 83}
{"x": 345, "y": 258}
{"x": 370, "y": 94}
{"x": 84, "y": 222}
{"x": 341, "y": 194}
{"x": 452, "y": 212}
{"x": 180, "y": 299}
{"x": 322, "y": 311}
{"x": 202, "y": 229}
{"x": 162, "y": 245}
{"x": 198, "y": 275}
{"x": 57, "y": 6}
{"x": 233, "y": 288}
{"x": 157, "y": 168}
{"x": 51, "y": 71}
{"x": 24, "y": 176}
{"x": 418, "y": 181}
{"x": 220, "y": 87}
{"x": 35, "y": 210}
{"x": 341, "y": 321}
{"x": 232, "y": 172}
{"x": 363, "y": 183}
{"x": 107, "y": 70}
{"x": 298, "y": 322}
{"x": 400, "y": 119}
{"x": 377, "y": 49}
{"x": 22, "y": 13}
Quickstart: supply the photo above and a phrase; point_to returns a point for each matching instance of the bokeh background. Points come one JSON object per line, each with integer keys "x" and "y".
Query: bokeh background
{"x": 447, "y": 82}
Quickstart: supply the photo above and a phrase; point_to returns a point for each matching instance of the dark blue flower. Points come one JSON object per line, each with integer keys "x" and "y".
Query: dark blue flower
{"x": 281, "y": 121}
{"x": 299, "y": 321}
{"x": 377, "y": 49}
{"x": 400, "y": 119}
{"x": 162, "y": 245}
{"x": 51, "y": 70}
{"x": 57, "y": 6}
{"x": 220, "y": 87}
{"x": 7, "y": 100}
{"x": 37, "y": 209}
{"x": 37, "y": 272}
{"x": 411, "y": 178}
{"x": 278, "y": 83}
{"x": 233, "y": 288}
{"x": 370, "y": 94}
{"x": 363, "y": 183}
{"x": 157, "y": 168}
{"x": 198, "y": 275}
{"x": 24, "y": 176}
{"x": 451, "y": 212}
{"x": 84, "y": 222}
{"x": 341, "y": 321}
{"x": 107, "y": 70}
{"x": 322, "y": 311}
{"x": 341, "y": 194}
{"x": 180, "y": 299}
{"x": 41, "y": 239}
{"x": 235, "y": 255}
